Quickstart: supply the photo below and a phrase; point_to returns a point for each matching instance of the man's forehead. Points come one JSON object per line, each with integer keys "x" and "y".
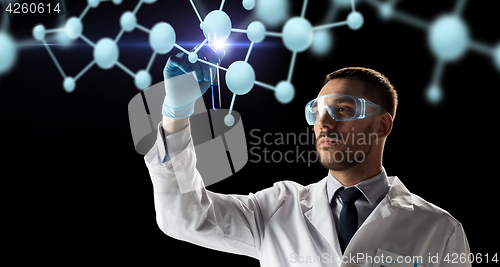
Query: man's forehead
{"x": 344, "y": 87}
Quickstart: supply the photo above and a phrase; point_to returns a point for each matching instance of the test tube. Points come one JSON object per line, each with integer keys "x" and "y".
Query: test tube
{"x": 214, "y": 75}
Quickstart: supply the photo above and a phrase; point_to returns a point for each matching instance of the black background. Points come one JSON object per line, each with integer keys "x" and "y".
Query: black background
{"x": 76, "y": 190}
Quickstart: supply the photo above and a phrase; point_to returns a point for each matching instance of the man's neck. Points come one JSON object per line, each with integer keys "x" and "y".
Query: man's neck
{"x": 356, "y": 174}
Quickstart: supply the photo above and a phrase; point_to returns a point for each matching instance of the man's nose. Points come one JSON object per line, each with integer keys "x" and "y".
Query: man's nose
{"x": 326, "y": 121}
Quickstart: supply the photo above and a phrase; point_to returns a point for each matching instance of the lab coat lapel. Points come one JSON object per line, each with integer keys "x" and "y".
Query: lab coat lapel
{"x": 398, "y": 196}
{"x": 317, "y": 210}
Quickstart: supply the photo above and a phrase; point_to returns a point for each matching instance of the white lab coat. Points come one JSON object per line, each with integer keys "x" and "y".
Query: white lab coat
{"x": 292, "y": 225}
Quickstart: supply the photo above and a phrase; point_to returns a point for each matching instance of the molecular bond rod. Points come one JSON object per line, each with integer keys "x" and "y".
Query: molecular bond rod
{"x": 125, "y": 69}
{"x": 249, "y": 51}
{"x": 292, "y": 66}
{"x": 142, "y": 28}
{"x": 331, "y": 25}
{"x": 232, "y": 104}
{"x": 84, "y": 12}
{"x": 438, "y": 71}
{"x": 274, "y": 34}
{"x": 481, "y": 48}
{"x": 211, "y": 64}
{"x": 90, "y": 65}
{"x": 411, "y": 20}
{"x": 196, "y": 10}
{"x": 182, "y": 49}
{"x": 304, "y": 7}
{"x": 87, "y": 41}
{"x": 265, "y": 85}
{"x": 53, "y": 58}
{"x": 150, "y": 63}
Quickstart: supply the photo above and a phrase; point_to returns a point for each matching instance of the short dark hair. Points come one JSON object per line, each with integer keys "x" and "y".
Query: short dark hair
{"x": 377, "y": 89}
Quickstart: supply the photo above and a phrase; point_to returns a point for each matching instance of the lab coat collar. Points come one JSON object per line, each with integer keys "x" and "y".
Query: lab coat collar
{"x": 316, "y": 208}
{"x": 398, "y": 194}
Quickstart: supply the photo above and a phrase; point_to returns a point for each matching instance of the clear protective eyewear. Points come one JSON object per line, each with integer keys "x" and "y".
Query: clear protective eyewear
{"x": 340, "y": 108}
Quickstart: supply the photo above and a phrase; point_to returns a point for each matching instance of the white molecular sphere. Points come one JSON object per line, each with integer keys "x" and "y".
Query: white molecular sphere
{"x": 273, "y": 12}
{"x": 297, "y": 34}
{"x": 162, "y": 38}
{"x": 193, "y": 57}
{"x": 74, "y": 28}
{"x": 434, "y": 94}
{"x": 142, "y": 80}
{"x": 69, "y": 84}
{"x": 448, "y": 37}
{"x": 355, "y": 20}
{"x": 93, "y": 3}
{"x": 149, "y": 1}
{"x": 240, "y": 77}
{"x": 117, "y": 2}
{"x": 128, "y": 21}
{"x": 285, "y": 92}
{"x": 496, "y": 56}
{"x": 386, "y": 11}
{"x": 248, "y": 4}
{"x": 8, "y": 52}
{"x": 39, "y": 32}
{"x": 322, "y": 43}
{"x": 106, "y": 53}
{"x": 229, "y": 120}
{"x": 217, "y": 22}
{"x": 256, "y": 32}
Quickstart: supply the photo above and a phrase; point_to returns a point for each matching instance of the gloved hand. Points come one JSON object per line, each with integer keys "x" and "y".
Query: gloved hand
{"x": 185, "y": 82}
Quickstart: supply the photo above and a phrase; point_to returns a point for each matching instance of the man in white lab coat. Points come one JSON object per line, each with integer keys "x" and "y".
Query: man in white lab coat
{"x": 382, "y": 224}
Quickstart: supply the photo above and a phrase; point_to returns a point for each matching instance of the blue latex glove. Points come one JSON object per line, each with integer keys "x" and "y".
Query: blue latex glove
{"x": 185, "y": 82}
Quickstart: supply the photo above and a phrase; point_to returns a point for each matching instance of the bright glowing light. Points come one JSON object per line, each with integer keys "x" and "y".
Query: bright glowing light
{"x": 219, "y": 44}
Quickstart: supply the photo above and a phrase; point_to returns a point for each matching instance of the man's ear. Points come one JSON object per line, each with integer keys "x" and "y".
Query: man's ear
{"x": 384, "y": 125}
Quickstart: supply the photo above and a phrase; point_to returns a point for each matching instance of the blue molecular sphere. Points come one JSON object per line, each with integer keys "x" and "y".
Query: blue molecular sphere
{"x": 256, "y": 32}
{"x": 496, "y": 57}
{"x": 128, "y": 21}
{"x": 273, "y": 12}
{"x": 285, "y": 92}
{"x": 386, "y": 11}
{"x": 106, "y": 53}
{"x": 8, "y": 52}
{"x": 298, "y": 34}
{"x": 74, "y": 28}
{"x": 355, "y": 20}
{"x": 39, "y": 32}
{"x": 229, "y": 120}
{"x": 448, "y": 37}
{"x": 434, "y": 94}
{"x": 142, "y": 80}
{"x": 162, "y": 38}
{"x": 322, "y": 43}
{"x": 193, "y": 57}
{"x": 240, "y": 77}
{"x": 69, "y": 84}
{"x": 248, "y": 4}
{"x": 217, "y": 22}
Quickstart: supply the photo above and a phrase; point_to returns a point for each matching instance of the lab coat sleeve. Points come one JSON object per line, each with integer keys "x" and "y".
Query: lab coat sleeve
{"x": 185, "y": 210}
{"x": 457, "y": 250}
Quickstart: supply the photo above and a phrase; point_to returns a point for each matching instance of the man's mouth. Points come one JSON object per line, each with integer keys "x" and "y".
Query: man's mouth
{"x": 325, "y": 142}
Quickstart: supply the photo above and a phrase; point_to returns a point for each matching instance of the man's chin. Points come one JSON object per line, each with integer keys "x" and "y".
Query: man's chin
{"x": 336, "y": 159}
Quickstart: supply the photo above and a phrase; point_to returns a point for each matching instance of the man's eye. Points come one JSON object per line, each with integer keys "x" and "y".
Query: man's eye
{"x": 342, "y": 109}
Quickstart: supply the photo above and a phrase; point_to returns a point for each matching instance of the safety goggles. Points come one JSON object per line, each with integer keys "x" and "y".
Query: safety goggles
{"x": 340, "y": 108}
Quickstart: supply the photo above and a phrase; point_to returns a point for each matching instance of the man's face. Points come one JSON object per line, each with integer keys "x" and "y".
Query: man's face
{"x": 342, "y": 145}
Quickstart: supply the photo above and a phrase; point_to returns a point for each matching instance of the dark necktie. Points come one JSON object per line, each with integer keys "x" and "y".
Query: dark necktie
{"x": 348, "y": 221}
